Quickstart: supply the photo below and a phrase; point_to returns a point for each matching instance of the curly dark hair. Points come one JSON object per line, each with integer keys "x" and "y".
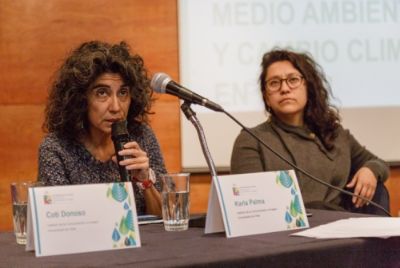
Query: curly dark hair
{"x": 67, "y": 107}
{"x": 320, "y": 116}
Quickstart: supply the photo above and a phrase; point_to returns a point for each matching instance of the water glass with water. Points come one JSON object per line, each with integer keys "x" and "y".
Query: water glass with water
{"x": 175, "y": 201}
{"x": 19, "y": 196}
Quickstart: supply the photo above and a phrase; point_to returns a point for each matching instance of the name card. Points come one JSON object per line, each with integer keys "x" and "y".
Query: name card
{"x": 255, "y": 203}
{"x": 82, "y": 218}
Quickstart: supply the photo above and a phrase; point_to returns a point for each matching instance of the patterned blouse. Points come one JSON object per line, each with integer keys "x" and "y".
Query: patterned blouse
{"x": 63, "y": 162}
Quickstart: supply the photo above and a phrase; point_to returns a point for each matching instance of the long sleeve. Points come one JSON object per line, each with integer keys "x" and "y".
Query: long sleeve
{"x": 246, "y": 155}
{"x": 361, "y": 157}
{"x": 153, "y": 150}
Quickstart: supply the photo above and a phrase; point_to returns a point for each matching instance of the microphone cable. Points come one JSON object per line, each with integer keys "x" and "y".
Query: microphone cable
{"x": 302, "y": 170}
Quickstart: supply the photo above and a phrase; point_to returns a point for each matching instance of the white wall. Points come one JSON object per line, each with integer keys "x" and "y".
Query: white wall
{"x": 357, "y": 43}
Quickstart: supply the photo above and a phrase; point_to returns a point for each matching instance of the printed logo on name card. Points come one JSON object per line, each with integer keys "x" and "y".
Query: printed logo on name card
{"x": 236, "y": 190}
{"x": 47, "y": 199}
{"x": 244, "y": 190}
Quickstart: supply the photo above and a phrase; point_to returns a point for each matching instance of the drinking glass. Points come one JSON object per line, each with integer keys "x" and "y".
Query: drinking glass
{"x": 175, "y": 201}
{"x": 19, "y": 196}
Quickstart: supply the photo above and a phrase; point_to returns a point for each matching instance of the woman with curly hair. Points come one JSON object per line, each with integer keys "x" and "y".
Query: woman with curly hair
{"x": 99, "y": 84}
{"x": 306, "y": 129}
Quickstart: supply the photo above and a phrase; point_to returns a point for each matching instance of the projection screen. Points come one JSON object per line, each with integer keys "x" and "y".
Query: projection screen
{"x": 357, "y": 43}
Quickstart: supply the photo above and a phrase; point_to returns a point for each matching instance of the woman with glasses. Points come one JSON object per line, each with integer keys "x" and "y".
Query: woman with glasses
{"x": 305, "y": 128}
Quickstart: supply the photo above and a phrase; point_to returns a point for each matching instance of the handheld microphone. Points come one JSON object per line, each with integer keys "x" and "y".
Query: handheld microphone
{"x": 162, "y": 83}
{"x": 120, "y": 136}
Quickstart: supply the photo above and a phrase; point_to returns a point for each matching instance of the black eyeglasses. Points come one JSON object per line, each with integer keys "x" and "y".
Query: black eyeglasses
{"x": 274, "y": 84}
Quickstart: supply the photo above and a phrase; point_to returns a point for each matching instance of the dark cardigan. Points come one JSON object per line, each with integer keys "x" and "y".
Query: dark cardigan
{"x": 303, "y": 148}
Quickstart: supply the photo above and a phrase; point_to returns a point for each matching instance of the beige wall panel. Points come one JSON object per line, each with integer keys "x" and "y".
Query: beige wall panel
{"x": 20, "y": 135}
{"x": 393, "y": 185}
{"x": 35, "y": 37}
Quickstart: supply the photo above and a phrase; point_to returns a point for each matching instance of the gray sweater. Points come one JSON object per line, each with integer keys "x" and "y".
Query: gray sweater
{"x": 304, "y": 149}
{"x": 63, "y": 162}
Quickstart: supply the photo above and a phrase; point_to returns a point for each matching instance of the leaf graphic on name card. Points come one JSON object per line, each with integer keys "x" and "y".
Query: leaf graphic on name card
{"x": 293, "y": 210}
{"x": 288, "y": 218}
{"x": 293, "y": 191}
{"x": 130, "y": 241}
{"x": 129, "y": 221}
{"x": 300, "y": 222}
{"x": 126, "y": 206}
{"x": 119, "y": 192}
{"x": 296, "y": 204}
{"x": 123, "y": 229}
{"x": 115, "y": 235}
{"x": 285, "y": 179}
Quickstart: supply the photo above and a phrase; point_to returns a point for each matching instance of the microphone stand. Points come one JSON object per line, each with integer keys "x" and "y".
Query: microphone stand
{"x": 191, "y": 116}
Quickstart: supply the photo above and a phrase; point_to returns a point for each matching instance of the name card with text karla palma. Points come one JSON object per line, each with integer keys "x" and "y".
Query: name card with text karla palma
{"x": 82, "y": 218}
{"x": 255, "y": 203}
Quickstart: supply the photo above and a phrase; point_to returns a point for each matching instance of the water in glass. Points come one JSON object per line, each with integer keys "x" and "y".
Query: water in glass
{"x": 175, "y": 210}
{"x": 19, "y": 219}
